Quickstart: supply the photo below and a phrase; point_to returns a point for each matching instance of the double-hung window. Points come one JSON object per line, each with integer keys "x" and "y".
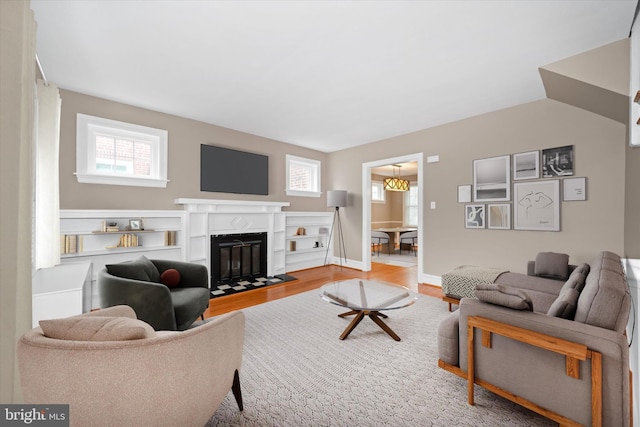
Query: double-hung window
{"x": 119, "y": 153}
{"x": 303, "y": 177}
{"x": 377, "y": 192}
{"x": 411, "y": 206}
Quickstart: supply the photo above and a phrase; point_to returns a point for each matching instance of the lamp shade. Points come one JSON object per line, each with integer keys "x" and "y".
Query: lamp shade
{"x": 337, "y": 198}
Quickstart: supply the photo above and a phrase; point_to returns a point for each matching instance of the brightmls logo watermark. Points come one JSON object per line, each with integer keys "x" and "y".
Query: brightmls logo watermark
{"x": 34, "y": 415}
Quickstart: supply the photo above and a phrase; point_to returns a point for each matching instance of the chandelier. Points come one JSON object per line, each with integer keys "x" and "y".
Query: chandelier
{"x": 396, "y": 183}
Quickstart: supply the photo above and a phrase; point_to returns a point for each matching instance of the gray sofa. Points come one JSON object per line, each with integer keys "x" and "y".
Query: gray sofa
{"x": 530, "y": 334}
{"x": 164, "y": 304}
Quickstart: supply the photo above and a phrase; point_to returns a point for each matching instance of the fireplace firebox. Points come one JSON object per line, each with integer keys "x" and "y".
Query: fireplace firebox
{"x": 236, "y": 257}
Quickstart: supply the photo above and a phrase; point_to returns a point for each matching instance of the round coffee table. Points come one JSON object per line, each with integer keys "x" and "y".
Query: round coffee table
{"x": 367, "y": 298}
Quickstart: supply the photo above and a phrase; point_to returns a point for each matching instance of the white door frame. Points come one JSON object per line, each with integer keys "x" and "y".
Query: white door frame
{"x": 366, "y": 206}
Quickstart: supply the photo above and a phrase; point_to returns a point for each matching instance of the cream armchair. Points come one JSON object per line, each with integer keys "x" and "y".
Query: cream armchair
{"x": 142, "y": 378}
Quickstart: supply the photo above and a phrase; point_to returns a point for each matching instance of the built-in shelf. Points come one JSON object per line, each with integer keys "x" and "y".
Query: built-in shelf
{"x": 310, "y": 247}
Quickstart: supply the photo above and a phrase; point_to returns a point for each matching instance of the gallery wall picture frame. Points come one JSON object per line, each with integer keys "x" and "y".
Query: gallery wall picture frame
{"x": 499, "y": 216}
{"x": 492, "y": 179}
{"x": 536, "y": 205}
{"x": 464, "y": 193}
{"x": 574, "y": 189}
{"x": 557, "y": 161}
{"x": 526, "y": 165}
{"x": 474, "y": 216}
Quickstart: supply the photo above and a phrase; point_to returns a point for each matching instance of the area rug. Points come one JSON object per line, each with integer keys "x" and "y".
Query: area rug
{"x": 296, "y": 372}
{"x": 248, "y": 285}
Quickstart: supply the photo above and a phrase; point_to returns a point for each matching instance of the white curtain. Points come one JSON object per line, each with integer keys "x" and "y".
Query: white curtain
{"x": 47, "y": 192}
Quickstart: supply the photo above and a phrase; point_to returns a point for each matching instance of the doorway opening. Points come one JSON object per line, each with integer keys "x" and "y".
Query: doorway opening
{"x": 368, "y": 170}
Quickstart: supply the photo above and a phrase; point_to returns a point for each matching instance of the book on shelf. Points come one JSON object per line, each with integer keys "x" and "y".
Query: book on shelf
{"x": 71, "y": 243}
{"x": 170, "y": 238}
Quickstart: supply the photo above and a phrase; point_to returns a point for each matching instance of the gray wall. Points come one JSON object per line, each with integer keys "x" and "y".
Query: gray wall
{"x": 587, "y": 227}
{"x": 185, "y": 137}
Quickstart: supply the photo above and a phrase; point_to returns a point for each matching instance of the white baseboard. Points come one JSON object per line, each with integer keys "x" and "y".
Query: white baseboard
{"x": 431, "y": 279}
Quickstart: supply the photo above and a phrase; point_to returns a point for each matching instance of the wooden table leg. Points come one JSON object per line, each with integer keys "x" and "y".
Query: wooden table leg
{"x": 348, "y": 313}
{"x": 374, "y": 315}
{"x": 352, "y": 325}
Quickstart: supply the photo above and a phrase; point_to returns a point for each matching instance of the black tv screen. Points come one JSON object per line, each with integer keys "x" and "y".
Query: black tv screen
{"x": 224, "y": 170}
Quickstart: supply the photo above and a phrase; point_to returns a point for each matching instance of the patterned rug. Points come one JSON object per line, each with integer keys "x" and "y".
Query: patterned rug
{"x": 248, "y": 285}
{"x": 296, "y": 372}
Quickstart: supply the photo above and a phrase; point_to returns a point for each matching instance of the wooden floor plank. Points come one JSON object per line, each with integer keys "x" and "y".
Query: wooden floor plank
{"x": 313, "y": 278}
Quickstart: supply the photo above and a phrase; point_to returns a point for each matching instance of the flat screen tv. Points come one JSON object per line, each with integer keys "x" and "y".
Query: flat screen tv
{"x": 224, "y": 170}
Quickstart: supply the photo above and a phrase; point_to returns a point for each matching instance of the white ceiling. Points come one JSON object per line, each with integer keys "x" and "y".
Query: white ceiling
{"x": 326, "y": 75}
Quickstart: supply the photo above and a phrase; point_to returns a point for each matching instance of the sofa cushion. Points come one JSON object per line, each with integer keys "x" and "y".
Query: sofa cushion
{"x": 504, "y": 295}
{"x": 605, "y": 299}
{"x": 448, "y": 337}
{"x": 96, "y": 328}
{"x": 565, "y": 305}
{"x": 150, "y": 269}
{"x": 577, "y": 278}
{"x": 170, "y": 278}
{"x": 552, "y": 265}
{"x": 134, "y": 270}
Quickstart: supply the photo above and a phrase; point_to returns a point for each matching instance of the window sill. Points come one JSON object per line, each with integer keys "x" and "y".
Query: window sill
{"x": 119, "y": 180}
{"x": 298, "y": 193}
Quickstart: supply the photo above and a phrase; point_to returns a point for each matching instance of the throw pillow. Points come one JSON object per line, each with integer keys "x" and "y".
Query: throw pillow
{"x": 504, "y": 295}
{"x": 96, "y": 328}
{"x": 150, "y": 269}
{"x": 565, "y": 305}
{"x": 552, "y": 265}
{"x": 170, "y": 278}
{"x": 128, "y": 270}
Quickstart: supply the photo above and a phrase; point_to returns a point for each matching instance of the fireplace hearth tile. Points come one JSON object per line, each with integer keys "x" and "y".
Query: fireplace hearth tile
{"x": 247, "y": 285}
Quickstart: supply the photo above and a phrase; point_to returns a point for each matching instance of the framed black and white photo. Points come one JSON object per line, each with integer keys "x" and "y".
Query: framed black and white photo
{"x": 474, "y": 216}
{"x": 464, "y": 193}
{"x": 526, "y": 165}
{"x": 499, "y": 216}
{"x": 557, "y": 161}
{"x": 492, "y": 179}
{"x": 574, "y": 189}
{"x": 536, "y": 205}
{"x": 135, "y": 224}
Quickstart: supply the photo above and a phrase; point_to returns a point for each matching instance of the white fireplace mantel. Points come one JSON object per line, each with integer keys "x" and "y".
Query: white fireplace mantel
{"x": 207, "y": 217}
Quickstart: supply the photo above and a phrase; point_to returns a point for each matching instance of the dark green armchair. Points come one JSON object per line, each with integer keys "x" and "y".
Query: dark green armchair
{"x": 139, "y": 284}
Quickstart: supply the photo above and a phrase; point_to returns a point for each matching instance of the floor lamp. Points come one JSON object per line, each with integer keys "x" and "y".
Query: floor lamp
{"x": 337, "y": 199}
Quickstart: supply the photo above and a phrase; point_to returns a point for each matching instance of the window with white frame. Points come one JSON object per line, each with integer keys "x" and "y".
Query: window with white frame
{"x": 303, "y": 177}
{"x": 119, "y": 153}
{"x": 411, "y": 206}
{"x": 377, "y": 192}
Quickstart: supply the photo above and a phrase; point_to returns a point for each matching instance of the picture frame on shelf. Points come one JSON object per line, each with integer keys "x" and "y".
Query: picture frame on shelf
{"x": 537, "y": 205}
{"x": 492, "y": 179}
{"x": 135, "y": 224}
{"x": 499, "y": 216}
{"x": 464, "y": 193}
{"x": 474, "y": 216}
{"x": 574, "y": 189}
{"x": 526, "y": 165}
{"x": 557, "y": 161}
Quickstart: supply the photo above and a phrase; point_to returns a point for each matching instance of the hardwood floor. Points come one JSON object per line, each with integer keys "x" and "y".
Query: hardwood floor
{"x": 314, "y": 278}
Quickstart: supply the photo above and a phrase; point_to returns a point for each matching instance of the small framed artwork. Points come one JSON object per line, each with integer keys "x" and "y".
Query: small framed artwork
{"x": 536, "y": 205}
{"x": 499, "y": 216}
{"x": 557, "y": 161}
{"x": 135, "y": 224}
{"x": 526, "y": 165}
{"x": 574, "y": 189}
{"x": 464, "y": 193}
{"x": 492, "y": 179}
{"x": 474, "y": 216}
